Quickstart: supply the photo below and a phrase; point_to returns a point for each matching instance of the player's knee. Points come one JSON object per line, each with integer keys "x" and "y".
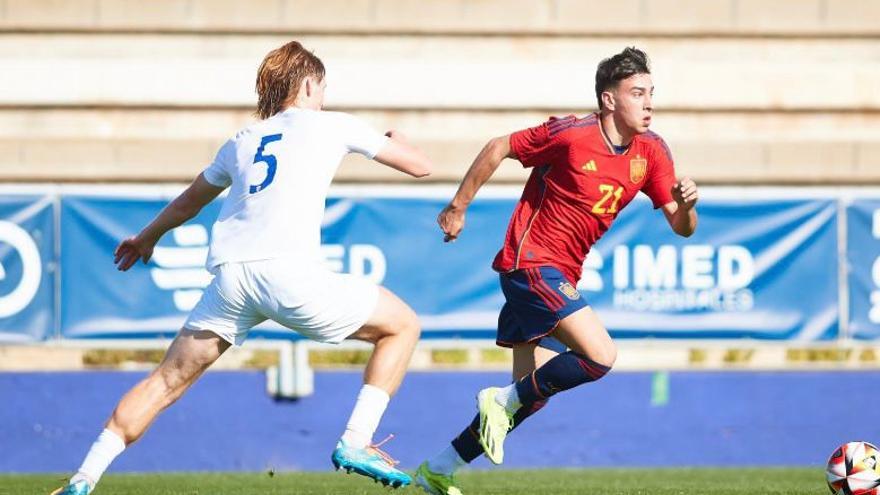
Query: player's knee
{"x": 407, "y": 324}
{"x": 607, "y": 355}
{"x": 591, "y": 369}
{"x": 393, "y": 318}
{"x": 400, "y": 323}
{"x": 604, "y": 355}
{"x": 600, "y": 360}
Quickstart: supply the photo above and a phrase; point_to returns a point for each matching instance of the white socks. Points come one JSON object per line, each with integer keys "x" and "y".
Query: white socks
{"x": 446, "y": 462}
{"x": 368, "y": 410}
{"x": 508, "y": 398}
{"x": 103, "y": 451}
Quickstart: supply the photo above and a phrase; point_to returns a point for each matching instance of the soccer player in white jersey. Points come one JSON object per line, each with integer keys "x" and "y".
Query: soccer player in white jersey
{"x": 266, "y": 260}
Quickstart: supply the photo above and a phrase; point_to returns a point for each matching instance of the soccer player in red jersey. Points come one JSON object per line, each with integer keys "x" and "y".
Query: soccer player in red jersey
{"x": 584, "y": 172}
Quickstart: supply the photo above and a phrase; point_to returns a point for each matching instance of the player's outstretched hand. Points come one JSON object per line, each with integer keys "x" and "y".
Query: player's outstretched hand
{"x": 130, "y": 250}
{"x": 451, "y": 221}
{"x": 684, "y": 192}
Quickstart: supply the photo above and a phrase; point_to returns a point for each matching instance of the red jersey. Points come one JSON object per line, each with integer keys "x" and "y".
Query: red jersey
{"x": 577, "y": 187}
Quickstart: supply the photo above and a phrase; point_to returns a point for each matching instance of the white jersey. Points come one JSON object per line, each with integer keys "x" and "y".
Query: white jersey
{"x": 280, "y": 170}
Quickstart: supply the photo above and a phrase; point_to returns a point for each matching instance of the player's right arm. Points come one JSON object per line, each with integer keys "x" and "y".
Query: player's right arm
{"x": 183, "y": 208}
{"x": 451, "y": 219}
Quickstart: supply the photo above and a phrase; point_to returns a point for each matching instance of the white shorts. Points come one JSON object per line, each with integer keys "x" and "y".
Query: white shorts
{"x": 322, "y": 305}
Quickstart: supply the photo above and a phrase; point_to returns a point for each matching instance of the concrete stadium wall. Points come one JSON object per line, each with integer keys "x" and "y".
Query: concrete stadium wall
{"x": 227, "y": 422}
{"x": 816, "y": 17}
{"x": 439, "y": 72}
{"x": 748, "y": 91}
{"x": 176, "y": 144}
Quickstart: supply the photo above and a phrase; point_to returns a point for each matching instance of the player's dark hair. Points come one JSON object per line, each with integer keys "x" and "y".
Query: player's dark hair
{"x": 281, "y": 74}
{"x": 612, "y": 70}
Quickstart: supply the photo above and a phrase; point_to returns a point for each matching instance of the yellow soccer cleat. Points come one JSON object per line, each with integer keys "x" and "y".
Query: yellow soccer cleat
{"x": 495, "y": 422}
{"x": 435, "y": 483}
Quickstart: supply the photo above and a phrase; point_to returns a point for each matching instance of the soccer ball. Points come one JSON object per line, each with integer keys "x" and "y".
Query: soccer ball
{"x": 854, "y": 469}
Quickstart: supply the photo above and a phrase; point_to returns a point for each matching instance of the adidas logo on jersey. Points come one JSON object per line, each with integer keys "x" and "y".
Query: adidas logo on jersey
{"x": 590, "y": 166}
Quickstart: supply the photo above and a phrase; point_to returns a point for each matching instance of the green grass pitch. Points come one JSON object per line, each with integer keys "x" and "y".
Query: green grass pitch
{"x": 775, "y": 481}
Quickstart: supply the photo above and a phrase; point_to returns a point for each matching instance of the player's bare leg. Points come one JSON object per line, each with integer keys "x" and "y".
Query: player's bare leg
{"x": 584, "y": 333}
{"x": 529, "y": 357}
{"x": 189, "y": 355}
{"x": 393, "y": 329}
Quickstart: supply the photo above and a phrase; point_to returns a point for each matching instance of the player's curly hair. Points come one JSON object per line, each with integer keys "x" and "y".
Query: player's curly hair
{"x": 612, "y": 70}
{"x": 281, "y": 74}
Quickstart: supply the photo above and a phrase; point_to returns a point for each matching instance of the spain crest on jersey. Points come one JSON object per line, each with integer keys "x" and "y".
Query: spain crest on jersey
{"x": 569, "y": 291}
{"x": 638, "y": 168}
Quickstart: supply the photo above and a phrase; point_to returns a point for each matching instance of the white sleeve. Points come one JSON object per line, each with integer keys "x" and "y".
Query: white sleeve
{"x": 217, "y": 172}
{"x": 360, "y": 137}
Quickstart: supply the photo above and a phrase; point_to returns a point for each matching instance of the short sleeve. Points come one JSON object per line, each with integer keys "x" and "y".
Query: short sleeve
{"x": 661, "y": 172}
{"x": 217, "y": 172}
{"x": 360, "y": 137}
{"x": 535, "y": 146}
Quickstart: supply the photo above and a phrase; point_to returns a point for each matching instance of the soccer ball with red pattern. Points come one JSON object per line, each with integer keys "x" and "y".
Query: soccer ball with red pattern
{"x": 854, "y": 469}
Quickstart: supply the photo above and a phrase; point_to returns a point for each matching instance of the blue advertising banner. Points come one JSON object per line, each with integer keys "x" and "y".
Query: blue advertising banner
{"x": 742, "y": 275}
{"x": 100, "y": 302}
{"x": 755, "y": 268}
{"x": 737, "y": 277}
{"x": 27, "y": 268}
{"x": 863, "y": 267}
{"x": 392, "y": 242}
{"x": 396, "y": 242}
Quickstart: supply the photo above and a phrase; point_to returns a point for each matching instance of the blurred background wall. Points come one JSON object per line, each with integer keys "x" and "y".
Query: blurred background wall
{"x": 747, "y": 91}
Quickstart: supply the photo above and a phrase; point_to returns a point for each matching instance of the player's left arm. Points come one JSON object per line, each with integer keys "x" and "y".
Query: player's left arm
{"x": 182, "y": 208}
{"x": 392, "y": 150}
{"x": 681, "y": 213}
{"x": 400, "y": 155}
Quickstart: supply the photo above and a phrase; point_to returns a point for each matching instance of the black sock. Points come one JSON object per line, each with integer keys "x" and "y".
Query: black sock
{"x": 565, "y": 371}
